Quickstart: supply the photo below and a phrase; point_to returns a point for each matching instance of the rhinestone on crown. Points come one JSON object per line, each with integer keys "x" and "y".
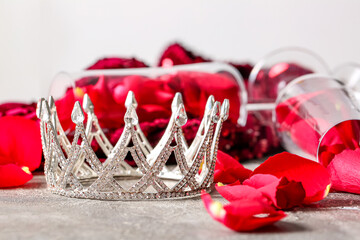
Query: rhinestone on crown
{"x": 72, "y": 168}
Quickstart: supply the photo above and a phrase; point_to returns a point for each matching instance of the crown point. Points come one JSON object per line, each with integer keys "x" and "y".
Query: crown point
{"x": 209, "y": 105}
{"x": 181, "y": 116}
{"x": 87, "y": 103}
{"x": 130, "y": 100}
{"x": 225, "y": 109}
{"x": 131, "y": 116}
{"x": 77, "y": 115}
{"x": 177, "y": 100}
{"x": 51, "y": 103}
{"x": 45, "y": 111}
{"x": 177, "y": 106}
{"x": 210, "y": 102}
{"x": 39, "y": 107}
{"x": 215, "y": 113}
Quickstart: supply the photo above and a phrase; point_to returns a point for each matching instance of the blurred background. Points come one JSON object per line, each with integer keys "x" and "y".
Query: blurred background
{"x": 40, "y": 38}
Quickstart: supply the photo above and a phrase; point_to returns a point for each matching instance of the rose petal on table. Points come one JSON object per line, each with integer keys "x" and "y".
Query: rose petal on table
{"x": 266, "y": 184}
{"x": 284, "y": 194}
{"x": 262, "y": 180}
{"x": 314, "y": 177}
{"x": 228, "y": 170}
{"x": 20, "y": 142}
{"x": 12, "y": 175}
{"x": 240, "y": 192}
{"x": 242, "y": 215}
{"x": 345, "y": 171}
{"x": 289, "y": 194}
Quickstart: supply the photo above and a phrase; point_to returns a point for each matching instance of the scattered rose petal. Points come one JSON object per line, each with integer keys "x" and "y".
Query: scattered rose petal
{"x": 242, "y": 215}
{"x": 228, "y": 170}
{"x": 313, "y": 176}
{"x": 282, "y": 193}
{"x": 240, "y": 192}
{"x": 20, "y": 150}
{"x": 20, "y": 142}
{"x": 12, "y": 175}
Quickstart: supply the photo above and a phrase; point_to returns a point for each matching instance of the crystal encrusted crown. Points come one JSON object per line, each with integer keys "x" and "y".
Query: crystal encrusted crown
{"x": 72, "y": 168}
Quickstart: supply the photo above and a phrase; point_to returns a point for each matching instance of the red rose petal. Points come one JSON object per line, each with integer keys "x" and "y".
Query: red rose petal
{"x": 242, "y": 215}
{"x": 228, "y": 170}
{"x": 20, "y": 142}
{"x": 262, "y": 180}
{"x": 266, "y": 184}
{"x": 345, "y": 171}
{"x": 289, "y": 194}
{"x": 240, "y": 192}
{"x": 284, "y": 194}
{"x": 12, "y": 175}
{"x": 313, "y": 176}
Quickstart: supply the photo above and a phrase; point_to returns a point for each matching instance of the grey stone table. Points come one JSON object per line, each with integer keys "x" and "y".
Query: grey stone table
{"x": 31, "y": 212}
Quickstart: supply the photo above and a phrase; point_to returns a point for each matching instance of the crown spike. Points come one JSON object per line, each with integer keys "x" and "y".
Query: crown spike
{"x": 130, "y": 100}
{"x": 209, "y": 103}
{"x": 45, "y": 111}
{"x": 39, "y": 107}
{"x": 177, "y": 100}
{"x": 225, "y": 109}
{"x": 51, "y": 104}
{"x": 87, "y": 104}
{"x": 77, "y": 115}
{"x": 208, "y": 107}
{"x": 177, "y": 106}
{"x": 215, "y": 113}
{"x": 181, "y": 116}
{"x": 131, "y": 116}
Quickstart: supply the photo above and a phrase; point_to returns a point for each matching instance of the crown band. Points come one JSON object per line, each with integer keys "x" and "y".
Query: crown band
{"x": 72, "y": 168}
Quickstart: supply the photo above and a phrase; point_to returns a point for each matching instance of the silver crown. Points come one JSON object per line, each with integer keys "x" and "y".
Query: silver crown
{"x": 72, "y": 168}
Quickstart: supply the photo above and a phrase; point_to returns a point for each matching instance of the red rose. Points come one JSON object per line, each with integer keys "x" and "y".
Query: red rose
{"x": 116, "y": 63}
{"x": 18, "y": 109}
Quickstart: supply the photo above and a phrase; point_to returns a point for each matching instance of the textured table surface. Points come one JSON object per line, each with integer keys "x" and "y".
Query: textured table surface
{"x": 31, "y": 212}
